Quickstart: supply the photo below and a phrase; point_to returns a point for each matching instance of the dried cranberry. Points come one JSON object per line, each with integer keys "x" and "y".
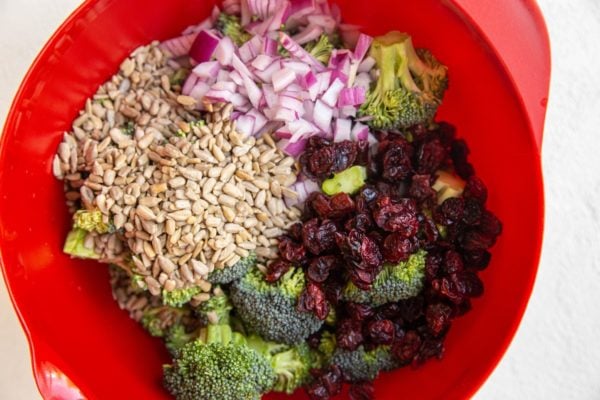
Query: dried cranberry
{"x": 411, "y": 309}
{"x": 320, "y": 204}
{"x": 362, "y": 391}
{"x": 468, "y": 283}
{"x": 448, "y": 289}
{"x": 408, "y": 347}
{"x": 477, "y": 259}
{"x": 361, "y": 222}
{"x": 291, "y": 251}
{"x": 349, "y": 334}
{"x": 433, "y": 263}
{"x": 276, "y": 270}
{"x": 438, "y": 318}
{"x": 320, "y": 267}
{"x": 400, "y": 217}
{"x": 490, "y": 224}
{"x": 369, "y": 251}
{"x": 420, "y": 188}
{"x": 313, "y": 299}
{"x": 321, "y": 161}
{"x": 429, "y": 232}
{"x": 476, "y": 189}
{"x": 432, "y": 347}
{"x": 396, "y": 161}
{"x": 430, "y": 157}
{"x": 358, "y": 311}
{"x": 345, "y": 154}
{"x": 316, "y": 391}
{"x": 318, "y": 238}
{"x": 398, "y": 248}
{"x": 341, "y": 205}
{"x": 452, "y": 210}
{"x": 295, "y": 231}
{"x": 453, "y": 262}
{"x": 369, "y": 194}
{"x": 362, "y": 278}
{"x": 472, "y": 212}
{"x": 476, "y": 240}
{"x": 381, "y": 332}
{"x": 326, "y": 383}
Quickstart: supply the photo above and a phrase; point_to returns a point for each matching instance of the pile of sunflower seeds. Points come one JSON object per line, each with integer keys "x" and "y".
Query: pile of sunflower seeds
{"x": 183, "y": 190}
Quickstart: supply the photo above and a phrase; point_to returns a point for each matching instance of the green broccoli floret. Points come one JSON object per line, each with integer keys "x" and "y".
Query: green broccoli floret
{"x": 226, "y": 365}
{"x": 179, "y": 297}
{"x": 75, "y": 245}
{"x": 270, "y": 309}
{"x": 178, "y": 336}
{"x": 158, "y": 320}
{"x": 320, "y": 49}
{"x": 394, "y": 283}
{"x": 233, "y": 273}
{"x": 215, "y": 310}
{"x": 361, "y": 365}
{"x": 229, "y": 25}
{"x": 410, "y": 86}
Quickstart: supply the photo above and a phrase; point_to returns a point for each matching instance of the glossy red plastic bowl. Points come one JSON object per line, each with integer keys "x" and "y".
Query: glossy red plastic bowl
{"x": 498, "y": 57}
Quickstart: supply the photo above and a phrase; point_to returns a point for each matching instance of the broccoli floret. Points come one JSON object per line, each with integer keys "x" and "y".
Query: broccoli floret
{"x": 410, "y": 86}
{"x": 215, "y": 310}
{"x": 75, "y": 245}
{"x": 270, "y": 309}
{"x": 394, "y": 283}
{"x": 179, "y": 297}
{"x": 229, "y": 25}
{"x": 226, "y": 365}
{"x": 361, "y": 365}
{"x": 233, "y": 273}
{"x": 178, "y": 336}
{"x": 158, "y": 320}
{"x": 320, "y": 49}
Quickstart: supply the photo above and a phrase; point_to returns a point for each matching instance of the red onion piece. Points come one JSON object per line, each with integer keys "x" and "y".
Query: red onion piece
{"x": 283, "y": 78}
{"x": 224, "y": 51}
{"x": 207, "y": 70}
{"x": 298, "y": 52}
{"x": 331, "y": 95}
{"x": 322, "y": 115}
{"x": 362, "y": 46}
{"x": 204, "y": 46}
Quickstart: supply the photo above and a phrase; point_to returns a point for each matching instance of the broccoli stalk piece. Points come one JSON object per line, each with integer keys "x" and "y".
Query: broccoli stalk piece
{"x": 362, "y": 365}
{"x": 179, "y": 297}
{"x": 270, "y": 309}
{"x": 215, "y": 310}
{"x": 393, "y": 283}
{"x": 158, "y": 320}
{"x": 410, "y": 86}
{"x": 226, "y": 365}
{"x": 320, "y": 49}
{"x": 233, "y": 273}
{"x": 347, "y": 181}
{"x": 229, "y": 25}
{"x": 75, "y": 245}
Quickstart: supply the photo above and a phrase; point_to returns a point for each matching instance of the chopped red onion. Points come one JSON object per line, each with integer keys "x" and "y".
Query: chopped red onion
{"x": 362, "y": 46}
{"x": 179, "y": 46}
{"x": 261, "y": 62}
{"x": 308, "y": 34}
{"x": 207, "y": 69}
{"x": 283, "y": 78}
{"x": 331, "y": 95}
{"x": 204, "y": 46}
{"x": 322, "y": 116}
{"x": 224, "y": 51}
{"x": 342, "y": 131}
{"x": 245, "y": 125}
{"x": 367, "y": 64}
{"x": 298, "y": 52}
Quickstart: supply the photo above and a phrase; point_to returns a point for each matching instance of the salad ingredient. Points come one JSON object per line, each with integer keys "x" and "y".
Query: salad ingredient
{"x": 237, "y": 271}
{"x": 362, "y": 365}
{"x": 348, "y": 181}
{"x": 91, "y": 221}
{"x": 320, "y": 49}
{"x": 410, "y": 86}
{"x": 393, "y": 283}
{"x": 271, "y": 310}
{"x": 229, "y": 25}
{"x": 79, "y": 243}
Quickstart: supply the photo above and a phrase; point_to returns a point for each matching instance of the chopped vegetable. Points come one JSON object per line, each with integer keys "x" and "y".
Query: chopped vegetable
{"x": 348, "y": 181}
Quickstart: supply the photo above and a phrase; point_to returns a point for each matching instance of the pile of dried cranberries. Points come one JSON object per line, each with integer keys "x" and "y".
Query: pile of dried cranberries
{"x": 396, "y": 213}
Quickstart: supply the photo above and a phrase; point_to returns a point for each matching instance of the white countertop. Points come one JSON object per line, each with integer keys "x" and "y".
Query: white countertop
{"x": 556, "y": 352}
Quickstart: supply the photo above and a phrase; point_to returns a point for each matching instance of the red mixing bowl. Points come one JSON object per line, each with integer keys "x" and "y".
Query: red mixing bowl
{"x": 498, "y": 57}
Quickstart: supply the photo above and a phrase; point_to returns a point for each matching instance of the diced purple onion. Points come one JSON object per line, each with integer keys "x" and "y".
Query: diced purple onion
{"x": 204, "y": 46}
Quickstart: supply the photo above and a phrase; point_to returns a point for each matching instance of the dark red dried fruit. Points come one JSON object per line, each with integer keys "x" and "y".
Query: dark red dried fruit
{"x": 349, "y": 335}
{"x": 345, "y": 154}
{"x": 490, "y": 225}
{"x": 408, "y": 347}
{"x": 321, "y": 161}
{"x": 411, "y": 309}
{"x": 472, "y": 212}
{"x": 276, "y": 270}
{"x": 476, "y": 189}
{"x": 396, "y": 160}
{"x": 431, "y": 347}
{"x": 313, "y": 299}
{"x": 369, "y": 251}
{"x": 320, "y": 204}
{"x": 326, "y": 383}
{"x": 359, "y": 312}
{"x": 477, "y": 259}
{"x": 476, "y": 240}
{"x": 361, "y": 277}
{"x": 400, "y": 217}
{"x": 430, "y": 157}
{"x": 290, "y": 250}
{"x": 438, "y": 317}
{"x": 420, "y": 188}
{"x": 362, "y": 391}
{"x": 452, "y": 210}
{"x": 397, "y": 248}
{"x": 381, "y": 332}
{"x": 362, "y": 223}
{"x": 453, "y": 262}
{"x": 320, "y": 267}
{"x": 318, "y": 237}
{"x": 341, "y": 205}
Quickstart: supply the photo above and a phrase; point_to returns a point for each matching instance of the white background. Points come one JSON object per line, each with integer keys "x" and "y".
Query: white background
{"x": 556, "y": 353}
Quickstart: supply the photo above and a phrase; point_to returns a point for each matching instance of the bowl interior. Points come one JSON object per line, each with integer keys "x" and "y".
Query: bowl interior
{"x": 66, "y": 307}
